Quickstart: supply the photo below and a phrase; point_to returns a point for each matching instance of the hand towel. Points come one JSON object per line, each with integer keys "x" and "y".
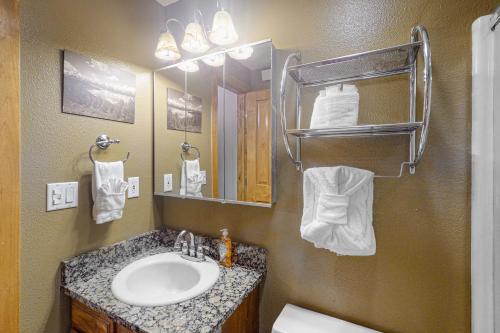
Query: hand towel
{"x": 337, "y": 216}
{"x": 191, "y": 178}
{"x": 336, "y": 108}
{"x": 108, "y": 191}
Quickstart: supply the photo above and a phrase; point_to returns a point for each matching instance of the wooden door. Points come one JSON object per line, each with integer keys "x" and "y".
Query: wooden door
{"x": 9, "y": 177}
{"x": 254, "y": 147}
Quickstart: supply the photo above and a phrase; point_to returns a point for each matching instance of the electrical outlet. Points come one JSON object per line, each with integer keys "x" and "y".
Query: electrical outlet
{"x": 203, "y": 174}
{"x": 133, "y": 187}
{"x": 167, "y": 182}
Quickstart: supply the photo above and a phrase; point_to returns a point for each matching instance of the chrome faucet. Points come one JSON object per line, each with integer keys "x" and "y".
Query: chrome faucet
{"x": 191, "y": 252}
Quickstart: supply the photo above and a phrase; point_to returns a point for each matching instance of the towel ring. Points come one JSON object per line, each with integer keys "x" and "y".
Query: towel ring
{"x": 186, "y": 147}
{"x": 103, "y": 142}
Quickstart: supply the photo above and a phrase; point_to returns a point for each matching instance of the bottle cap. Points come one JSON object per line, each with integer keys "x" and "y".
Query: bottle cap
{"x": 225, "y": 232}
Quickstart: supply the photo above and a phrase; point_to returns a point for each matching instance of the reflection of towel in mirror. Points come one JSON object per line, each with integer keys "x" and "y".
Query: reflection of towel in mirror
{"x": 108, "y": 191}
{"x": 337, "y": 213}
{"x": 191, "y": 178}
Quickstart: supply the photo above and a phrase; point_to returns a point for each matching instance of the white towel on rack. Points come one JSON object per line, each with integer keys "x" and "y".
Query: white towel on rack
{"x": 108, "y": 191}
{"x": 337, "y": 212}
{"x": 191, "y": 178}
{"x": 336, "y": 108}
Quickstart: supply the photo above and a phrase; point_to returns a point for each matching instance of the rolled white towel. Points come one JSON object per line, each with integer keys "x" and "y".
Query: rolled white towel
{"x": 336, "y": 108}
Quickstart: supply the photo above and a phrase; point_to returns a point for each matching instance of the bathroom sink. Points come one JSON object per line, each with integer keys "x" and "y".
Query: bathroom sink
{"x": 163, "y": 279}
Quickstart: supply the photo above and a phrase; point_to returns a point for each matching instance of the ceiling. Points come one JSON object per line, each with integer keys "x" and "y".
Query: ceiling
{"x": 166, "y": 2}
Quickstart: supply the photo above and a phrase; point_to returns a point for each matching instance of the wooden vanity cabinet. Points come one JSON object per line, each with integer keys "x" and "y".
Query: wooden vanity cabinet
{"x": 245, "y": 319}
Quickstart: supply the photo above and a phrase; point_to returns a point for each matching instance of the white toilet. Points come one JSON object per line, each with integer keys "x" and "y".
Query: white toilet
{"x": 294, "y": 319}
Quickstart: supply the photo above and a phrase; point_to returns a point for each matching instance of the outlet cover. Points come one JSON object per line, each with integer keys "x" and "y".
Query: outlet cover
{"x": 167, "y": 182}
{"x": 203, "y": 174}
{"x": 133, "y": 187}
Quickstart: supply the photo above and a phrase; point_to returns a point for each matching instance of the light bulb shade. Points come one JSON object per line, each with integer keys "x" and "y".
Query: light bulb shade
{"x": 189, "y": 66}
{"x": 223, "y": 31}
{"x": 194, "y": 39}
{"x": 241, "y": 53}
{"x": 214, "y": 60}
{"x": 166, "y": 48}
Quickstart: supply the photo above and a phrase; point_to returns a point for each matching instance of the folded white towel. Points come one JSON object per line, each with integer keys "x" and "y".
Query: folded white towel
{"x": 108, "y": 191}
{"x": 191, "y": 178}
{"x": 336, "y": 108}
{"x": 337, "y": 212}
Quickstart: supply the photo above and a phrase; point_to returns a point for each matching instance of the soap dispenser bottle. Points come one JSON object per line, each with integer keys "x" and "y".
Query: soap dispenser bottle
{"x": 225, "y": 249}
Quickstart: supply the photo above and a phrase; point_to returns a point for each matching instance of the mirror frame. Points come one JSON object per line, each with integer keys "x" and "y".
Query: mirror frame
{"x": 274, "y": 153}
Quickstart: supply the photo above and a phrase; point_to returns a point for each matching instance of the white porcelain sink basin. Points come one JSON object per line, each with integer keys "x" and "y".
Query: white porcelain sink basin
{"x": 163, "y": 279}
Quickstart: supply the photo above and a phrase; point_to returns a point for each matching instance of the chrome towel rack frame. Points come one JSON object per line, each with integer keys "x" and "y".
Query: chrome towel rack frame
{"x": 103, "y": 142}
{"x": 401, "y": 59}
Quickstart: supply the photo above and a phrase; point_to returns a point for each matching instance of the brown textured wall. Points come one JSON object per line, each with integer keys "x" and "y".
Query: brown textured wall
{"x": 55, "y": 145}
{"x": 418, "y": 282}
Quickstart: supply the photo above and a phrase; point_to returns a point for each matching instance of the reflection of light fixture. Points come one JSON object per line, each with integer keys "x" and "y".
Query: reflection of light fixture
{"x": 223, "y": 31}
{"x": 241, "y": 53}
{"x": 214, "y": 60}
{"x": 194, "y": 39}
{"x": 166, "y": 48}
{"x": 189, "y": 66}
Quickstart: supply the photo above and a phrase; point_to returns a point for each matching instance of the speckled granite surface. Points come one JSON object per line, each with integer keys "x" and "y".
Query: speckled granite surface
{"x": 88, "y": 278}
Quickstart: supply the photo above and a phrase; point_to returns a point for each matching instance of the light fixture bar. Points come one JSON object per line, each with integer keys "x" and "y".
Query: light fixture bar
{"x": 213, "y": 53}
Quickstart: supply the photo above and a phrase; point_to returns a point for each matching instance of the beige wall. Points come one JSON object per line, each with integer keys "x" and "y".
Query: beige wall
{"x": 418, "y": 282}
{"x": 55, "y": 145}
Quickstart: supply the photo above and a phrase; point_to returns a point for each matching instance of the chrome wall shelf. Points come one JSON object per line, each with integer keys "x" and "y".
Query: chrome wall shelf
{"x": 401, "y": 59}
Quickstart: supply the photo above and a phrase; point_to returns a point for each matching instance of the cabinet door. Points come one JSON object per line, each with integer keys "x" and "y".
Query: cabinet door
{"x": 122, "y": 329}
{"x": 86, "y": 320}
{"x": 246, "y": 317}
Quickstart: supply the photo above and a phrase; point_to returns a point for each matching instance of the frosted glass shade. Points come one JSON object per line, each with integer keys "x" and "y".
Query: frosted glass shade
{"x": 194, "y": 39}
{"x": 223, "y": 31}
{"x": 189, "y": 66}
{"x": 214, "y": 60}
{"x": 241, "y": 53}
{"x": 166, "y": 49}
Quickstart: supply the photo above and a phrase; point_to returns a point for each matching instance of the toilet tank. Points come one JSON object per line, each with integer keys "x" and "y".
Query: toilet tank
{"x": 294, "y": 319}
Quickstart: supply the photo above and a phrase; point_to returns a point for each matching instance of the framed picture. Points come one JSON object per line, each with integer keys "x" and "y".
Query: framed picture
{"x": 183, "y": 112}
{"x": 95, "y": 89}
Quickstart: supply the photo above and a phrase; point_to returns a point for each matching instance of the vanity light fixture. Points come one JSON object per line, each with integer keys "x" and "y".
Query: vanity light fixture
{"x": 214, "y": 60}
{"x": 223, "y": 31}
{"x": 189, "y": 66}
{"x": 166, "y": 49}
{"x": 195, "y": 36}
{"x": 241, "y": 53}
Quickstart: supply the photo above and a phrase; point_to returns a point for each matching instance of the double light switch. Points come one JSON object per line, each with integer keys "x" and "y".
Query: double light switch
{"x": 62, "y": 195}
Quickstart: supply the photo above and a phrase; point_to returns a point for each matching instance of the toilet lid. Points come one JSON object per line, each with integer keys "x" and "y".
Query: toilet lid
{"x": 294, "y": 319}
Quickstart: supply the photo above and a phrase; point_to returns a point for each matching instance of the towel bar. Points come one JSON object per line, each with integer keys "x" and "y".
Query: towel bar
{"x": 103, "y": 142}
{"x": 397, "y": 60}
{"x": 186, "y": 147}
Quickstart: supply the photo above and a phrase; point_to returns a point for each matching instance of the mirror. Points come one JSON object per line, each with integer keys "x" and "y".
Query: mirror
{"x": 214, "y": 127}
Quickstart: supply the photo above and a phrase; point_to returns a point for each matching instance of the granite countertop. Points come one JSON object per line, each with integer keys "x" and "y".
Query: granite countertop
{"x": 87, "y": 278}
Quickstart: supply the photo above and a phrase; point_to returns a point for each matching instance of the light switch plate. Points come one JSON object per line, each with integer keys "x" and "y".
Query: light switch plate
{"x": 133, "y": 187}
{"x": 62, "y": 195}
{"x": 167, "y": 182}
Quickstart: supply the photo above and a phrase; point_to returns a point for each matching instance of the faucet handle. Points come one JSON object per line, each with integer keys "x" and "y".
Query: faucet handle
{"x": 200, "y": 254}
{"x": 185, "y": 250}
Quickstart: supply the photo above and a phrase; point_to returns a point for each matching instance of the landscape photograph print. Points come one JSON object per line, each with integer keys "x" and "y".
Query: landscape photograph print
{"x": 96, "y": 89}
{"x": 183, "y": 112}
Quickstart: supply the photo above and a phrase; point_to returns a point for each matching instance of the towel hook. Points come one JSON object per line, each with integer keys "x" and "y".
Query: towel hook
{"x": 186, "y": 146}
{"x": 103, "y": 142}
